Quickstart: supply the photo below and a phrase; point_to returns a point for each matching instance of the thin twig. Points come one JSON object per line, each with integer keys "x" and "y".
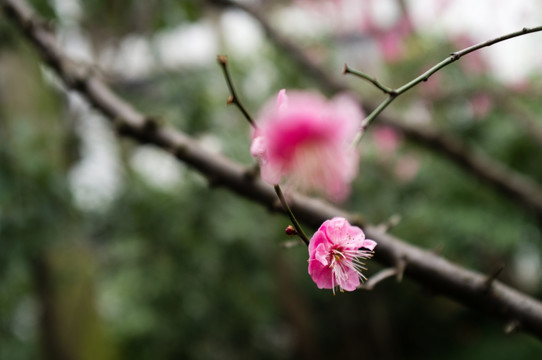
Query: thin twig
{"x": 372, "y": 80}
{"x": 223, "y": 61}
{"x": 234, "y": 99}
{"x": 291, "y": 215}
{"x": 393, "y": 94}
{"x": 378, "y": 277}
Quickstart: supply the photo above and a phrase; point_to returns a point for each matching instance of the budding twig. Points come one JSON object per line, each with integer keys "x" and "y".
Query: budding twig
{"x": 233, "y": 98}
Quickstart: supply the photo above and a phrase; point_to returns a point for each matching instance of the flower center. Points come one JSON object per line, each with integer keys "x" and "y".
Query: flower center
{"x": 345, "y": 263}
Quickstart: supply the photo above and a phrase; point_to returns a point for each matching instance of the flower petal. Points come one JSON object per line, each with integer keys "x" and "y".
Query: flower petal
{"x": 369, "y": 244}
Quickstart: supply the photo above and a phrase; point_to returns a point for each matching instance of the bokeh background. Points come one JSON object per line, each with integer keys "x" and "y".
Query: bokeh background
{"x": 113, "y": 250}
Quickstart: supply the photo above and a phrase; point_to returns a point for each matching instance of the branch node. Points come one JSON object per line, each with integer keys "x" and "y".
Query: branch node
{"x": 230, "y": 100}
{"x": 152, "y": 123}
{"x": 121, "y": 127}
{"x": 180, "y": 151}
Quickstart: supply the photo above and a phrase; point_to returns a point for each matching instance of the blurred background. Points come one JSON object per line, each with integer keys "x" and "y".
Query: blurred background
{"x": 112, "y": 250}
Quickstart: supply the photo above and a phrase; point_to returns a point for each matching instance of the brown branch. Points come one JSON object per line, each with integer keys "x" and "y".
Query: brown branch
{"x": 430, "y": 270}
{"x": 520, "y": 188}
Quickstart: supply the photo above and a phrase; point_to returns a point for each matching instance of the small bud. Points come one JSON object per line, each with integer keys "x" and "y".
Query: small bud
{"x": 230, "y": 100}
{"x": 222, "y": 59}
{"x": 290, "y": 231}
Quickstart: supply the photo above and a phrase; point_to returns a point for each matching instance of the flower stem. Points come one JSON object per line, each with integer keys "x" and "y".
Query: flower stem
{"x": 233, "y": 99}
{"x": 294, "y": 221}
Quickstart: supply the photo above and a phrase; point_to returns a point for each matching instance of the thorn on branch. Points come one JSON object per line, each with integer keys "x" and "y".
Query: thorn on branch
{"x": 401, "y": 266}
{"x": 393, "y": 221}
{"x": 491, "y": 279}
{"x": 453, "y": 56}
{"x": 512, "y": 327}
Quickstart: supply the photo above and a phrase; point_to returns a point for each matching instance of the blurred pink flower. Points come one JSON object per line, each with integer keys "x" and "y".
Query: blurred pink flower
{"x": 386, "y": 140}
{"x": 336, "y": 254}
{"x": 407, "y": 168}
{"x": 307, "y": 139}
{"x": 481, "y": 105}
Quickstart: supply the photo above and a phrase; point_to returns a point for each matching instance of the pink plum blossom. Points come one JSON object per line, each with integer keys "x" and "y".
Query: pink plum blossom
{"x": 307, "y": 139}
{"x": 336, "y": 252}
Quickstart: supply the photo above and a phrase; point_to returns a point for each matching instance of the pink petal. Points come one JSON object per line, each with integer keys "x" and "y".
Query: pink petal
{"x": 321, "y": 275}
{"x": 257, "y": 148}
{"x": 369, "y": 244}
{"x": 282, "y": 100}
{"x": 321, "y": 253}
{"x": 352, "y": 282}
{"x": 318, "y": 238}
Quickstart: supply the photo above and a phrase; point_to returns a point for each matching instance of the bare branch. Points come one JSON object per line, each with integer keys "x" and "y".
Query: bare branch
{"x": 430, "y": 270}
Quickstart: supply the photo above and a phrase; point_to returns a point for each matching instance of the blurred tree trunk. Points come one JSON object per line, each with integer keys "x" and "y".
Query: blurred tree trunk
{"x": 40, "y": 224}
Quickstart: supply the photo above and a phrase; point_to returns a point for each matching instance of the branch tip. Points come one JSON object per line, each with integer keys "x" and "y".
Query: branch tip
{"x": 222, "y": 59}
